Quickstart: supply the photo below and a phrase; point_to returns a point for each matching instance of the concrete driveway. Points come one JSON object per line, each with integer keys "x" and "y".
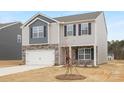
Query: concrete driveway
{"x": 17, "y": 69}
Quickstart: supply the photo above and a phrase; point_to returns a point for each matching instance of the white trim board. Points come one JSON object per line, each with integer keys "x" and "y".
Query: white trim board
{"x": 79, "y": 21}
{"x": 36, "y": 20}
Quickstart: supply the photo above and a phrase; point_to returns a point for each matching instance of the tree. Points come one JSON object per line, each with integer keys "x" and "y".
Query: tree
{"x": 117, "y": 48}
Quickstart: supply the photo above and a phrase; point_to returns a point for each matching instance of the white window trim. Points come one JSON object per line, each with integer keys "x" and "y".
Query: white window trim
{"x": 84, "y": 53}
{"x": 70, "y": 30}
{"x": 38, "y": 32}
{"x": 82, "y": 29}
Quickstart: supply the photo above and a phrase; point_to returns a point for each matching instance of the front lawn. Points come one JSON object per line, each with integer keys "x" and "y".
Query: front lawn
{"x": 113, "y": 71}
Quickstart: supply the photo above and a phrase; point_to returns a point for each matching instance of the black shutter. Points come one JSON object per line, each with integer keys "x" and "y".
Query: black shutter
{"x": 74, "y": 30}
{"x": 65, "y": 30}
{"x": 89, "y": 28}
{"x": 92, "y": 53}
{"x": 79, "y": 29}
{"x": 31, "y": 33}
{"x": 45, "y": 31}
{"x": 76, "y": 53}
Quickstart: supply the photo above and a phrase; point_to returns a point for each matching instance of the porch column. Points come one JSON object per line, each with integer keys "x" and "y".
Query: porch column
{"x": 59, "y": 55}
{"x": 94, "y": 55}
{"x": 70, "y": 55}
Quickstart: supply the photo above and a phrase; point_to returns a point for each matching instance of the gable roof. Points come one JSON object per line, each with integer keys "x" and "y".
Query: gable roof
{"x": 4, "y": 25}
{"x": 71, "y": 18}
{"x": 40, "y": 16}
{"x": 78, "y": 17}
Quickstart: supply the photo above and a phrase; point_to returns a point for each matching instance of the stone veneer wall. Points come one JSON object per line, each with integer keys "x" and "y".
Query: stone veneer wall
{"x": 37, "y": 47}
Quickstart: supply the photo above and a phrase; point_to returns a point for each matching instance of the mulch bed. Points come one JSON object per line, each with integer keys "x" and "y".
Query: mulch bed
{"x": 70, "y": 77}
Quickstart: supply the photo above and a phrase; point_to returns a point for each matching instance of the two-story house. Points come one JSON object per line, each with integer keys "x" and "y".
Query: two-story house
{"x": 46, "y": 41}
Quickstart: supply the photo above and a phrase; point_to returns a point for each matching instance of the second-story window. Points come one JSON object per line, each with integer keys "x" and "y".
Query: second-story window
{"x": 70, "y": 30}
{"x": 85, "y": 29}
{"x": 38, "y": 32}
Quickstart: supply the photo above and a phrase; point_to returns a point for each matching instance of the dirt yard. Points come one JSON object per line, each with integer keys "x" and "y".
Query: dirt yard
{"x": 111, "y": 72}
{"x": 8, "y": 63}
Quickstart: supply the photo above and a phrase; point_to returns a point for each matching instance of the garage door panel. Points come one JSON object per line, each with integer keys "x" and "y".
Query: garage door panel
{"x": 40, "y": 57}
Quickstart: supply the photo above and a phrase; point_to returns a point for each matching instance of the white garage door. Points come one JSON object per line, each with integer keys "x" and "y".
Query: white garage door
{"x": 40, "y": 57}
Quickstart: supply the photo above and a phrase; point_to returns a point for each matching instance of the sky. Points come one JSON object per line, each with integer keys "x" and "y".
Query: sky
{"x": 114, "y": 19}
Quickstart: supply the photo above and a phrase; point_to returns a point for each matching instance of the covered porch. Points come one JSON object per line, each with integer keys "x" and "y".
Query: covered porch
{"x": 80, "y": 55}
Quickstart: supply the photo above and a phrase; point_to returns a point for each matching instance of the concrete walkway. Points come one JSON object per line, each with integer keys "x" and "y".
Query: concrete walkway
{"x": 17, "y": 69}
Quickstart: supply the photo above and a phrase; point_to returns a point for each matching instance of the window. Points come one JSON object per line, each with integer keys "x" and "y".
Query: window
{"x": 38, "y": 32}
{"x": 81, "y": 53}
{"x": 84, "y": 53}
{"x": 87, "y": 53}
{"x": 19, "y": 38}
{"x": 84, "y": 29}
{"x": 70, "y": 30}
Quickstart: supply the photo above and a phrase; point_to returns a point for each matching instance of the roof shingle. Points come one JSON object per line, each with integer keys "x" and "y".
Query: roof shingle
{"x": 86, "y": 16}
{"x": 5, "y": 24}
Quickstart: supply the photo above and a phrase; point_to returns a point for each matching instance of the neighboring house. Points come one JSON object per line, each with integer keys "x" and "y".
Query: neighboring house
{"x": 10, "y": 41}
{"x": 46, "y": 41}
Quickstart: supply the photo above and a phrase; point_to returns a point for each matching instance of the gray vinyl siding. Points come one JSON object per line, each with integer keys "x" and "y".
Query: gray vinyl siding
{"x": 9, "y": 48}
{"x": 46, "y": 19}
{"x": 38, "y": 40}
